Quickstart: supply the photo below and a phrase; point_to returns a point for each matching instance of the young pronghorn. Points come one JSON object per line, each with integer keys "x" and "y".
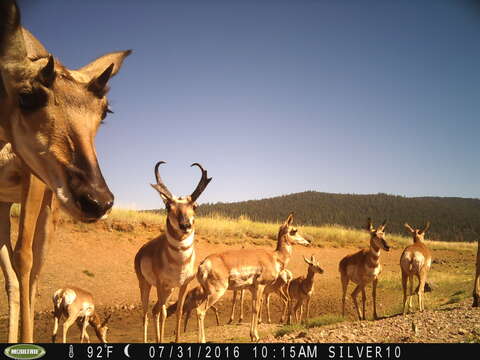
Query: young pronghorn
{"x": 279, "y": 287}
{"x": 251, "y": 269}
{"x": 168, "y": 261}
{"x": 416, "y": 260}
{"x": 194, "y": 298}
{"x": 49, "y": 116}
{"x": 362, "y": 268}
{"x": 77, "y": 305}
{"x": 301, "y": 289}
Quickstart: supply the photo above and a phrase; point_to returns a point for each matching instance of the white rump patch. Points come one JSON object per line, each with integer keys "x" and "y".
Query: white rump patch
{"x": 69, "y": 296}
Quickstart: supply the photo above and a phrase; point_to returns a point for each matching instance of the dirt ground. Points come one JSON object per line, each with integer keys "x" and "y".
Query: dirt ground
{"x": 100, "y": 259}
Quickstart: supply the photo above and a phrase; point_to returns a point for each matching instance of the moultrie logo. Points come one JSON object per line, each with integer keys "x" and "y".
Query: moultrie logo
{"x": 24, "y": 351}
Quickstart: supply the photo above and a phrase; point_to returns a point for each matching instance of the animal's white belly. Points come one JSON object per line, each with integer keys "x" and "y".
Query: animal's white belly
{"x": 243, "y": 277}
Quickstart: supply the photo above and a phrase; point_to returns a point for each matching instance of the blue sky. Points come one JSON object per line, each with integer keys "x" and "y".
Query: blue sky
{"x": 276, "y": 97}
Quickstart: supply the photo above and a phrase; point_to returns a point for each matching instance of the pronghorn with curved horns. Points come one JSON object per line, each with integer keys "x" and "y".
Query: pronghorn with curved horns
{"x": 251, "y": 269}
{"x": 49, "y": 116}
{"x": 416, "y": 260}
{"x": 362, "y": 268}
{"x": 168, "y": 262}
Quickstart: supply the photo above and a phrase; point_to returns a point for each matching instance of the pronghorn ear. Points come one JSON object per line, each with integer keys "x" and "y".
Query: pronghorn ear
{"x": 425, "y": 229}
{"x": 307, "y": 261}
{"x": 98, "y": 66}
{"x": 12, "y": 43}
{"x": 409, "y": 228}
{"x": 382, "y": 227}
{"x": 369, "y": 226}
{"x": 164, "y": 197}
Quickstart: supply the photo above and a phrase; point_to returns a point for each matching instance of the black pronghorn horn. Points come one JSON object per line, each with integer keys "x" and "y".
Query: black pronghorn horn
{"x": 160, "y": 186}
{"x": 202, "y": 184}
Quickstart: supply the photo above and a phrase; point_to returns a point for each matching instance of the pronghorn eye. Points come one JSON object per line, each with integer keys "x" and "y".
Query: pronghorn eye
{"x": 293, "y": 231}
{"x": 29, "y": 101}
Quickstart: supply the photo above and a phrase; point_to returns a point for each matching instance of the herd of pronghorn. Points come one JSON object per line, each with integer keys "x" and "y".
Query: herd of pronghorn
{"x": 49, "y": 116}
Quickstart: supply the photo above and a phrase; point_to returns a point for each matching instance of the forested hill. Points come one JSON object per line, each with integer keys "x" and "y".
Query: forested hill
{"x": 453, "y": 219}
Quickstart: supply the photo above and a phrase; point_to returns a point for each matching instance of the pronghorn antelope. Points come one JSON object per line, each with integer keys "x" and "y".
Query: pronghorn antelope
{"x": 77, "y": 305}
{"x": 362, "y": 268}
{"x": 194, "y": 298}
{"x": 279, "y": 286}
{"x": 301, "y": 290}
{"x": 416, "y": 260}
{"x": 49, "y": 116}
{"x": 476, "y": 286}
{"x": 168, "y": 261}
{"x": 251, "y": 269}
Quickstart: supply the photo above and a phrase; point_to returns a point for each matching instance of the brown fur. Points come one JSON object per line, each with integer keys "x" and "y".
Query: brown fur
{"x": 476, "y": 286}
{"x": 362, "y": 268}
{"x": 251, "y": 269}
{"x": 48, "y": 119}
{"x": 415, "y": 260}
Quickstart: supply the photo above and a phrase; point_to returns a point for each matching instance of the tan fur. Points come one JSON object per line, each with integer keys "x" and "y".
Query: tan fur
{"x": 251, "y": 269}
{"x": 168, "y": 262}
{"x": 476, "y": 286}
{"x": 76, "y": 304}
{"x": 48, "y": 120}
{"x": 301, "y": 290}
{"x": 279, "y": 287}
{"x": 362, "y": 268}
{"x": 415, "y": 260}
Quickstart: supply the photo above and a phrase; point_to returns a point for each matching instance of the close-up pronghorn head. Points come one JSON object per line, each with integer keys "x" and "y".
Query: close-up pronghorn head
{"x": 377, "y": 236}
{"x": 291, "y": 234}
{"x": 180, "y": 210}
{"x": 418, "y": 234}
{"x": 51, "y": 114}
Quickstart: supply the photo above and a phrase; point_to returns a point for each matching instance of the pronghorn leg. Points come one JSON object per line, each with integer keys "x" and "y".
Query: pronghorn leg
{"x": 364, "y": 301}
{"x": 215, "y": 309}
{"x": 181, "y": 301}
{"x": 301, "y": 313}
{"x": 257, "y": 298}
{"x": 56, "y": 318}
{"x": 144, "y": 295}
{"x": 344, "y": 279}
{"x": 374, "y": 298}
{"x": 308, "y": 308}
{"x": 421, "y": 289}
{"x": 296, "y": 310}
{"x": 404, "y": 287}
{"x": 203, "y": 307}
{"x": 11, "y": 280}
{"x": 66, "y": 325}
{"x": 355, "y": 292}
{"x": 242, "y": 297}
{"x": 410, "y": 298}
{"x": 84, "y": 335}
{"x": 32, "y": 199}
{"x": 163, "y": 294}
{"x": 267, "y": 306}
{"x": 284, "y": 298}
{"x": 44, "y": 231}
{"x": 234, "y": 302}
{"x": 187, "y": 317}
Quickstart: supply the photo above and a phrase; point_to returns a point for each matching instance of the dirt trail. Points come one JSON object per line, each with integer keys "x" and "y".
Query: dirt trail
{"x": 100, "y": 260}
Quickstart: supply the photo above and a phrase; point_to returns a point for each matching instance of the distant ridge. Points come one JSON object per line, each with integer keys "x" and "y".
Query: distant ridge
{"x": 452, "y": 218}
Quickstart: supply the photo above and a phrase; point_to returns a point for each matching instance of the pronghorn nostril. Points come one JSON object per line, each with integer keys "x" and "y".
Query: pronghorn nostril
{"x": 92, "y": 207}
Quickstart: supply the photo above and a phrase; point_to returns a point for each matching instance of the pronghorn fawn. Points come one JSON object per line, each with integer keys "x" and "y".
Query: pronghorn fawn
{"x": 76, "y": 304}
{"x": 416, "y": 260}
{"x": 194, "y": 298}
{"x": 168, "y": 261}
{"x": 279, "y": 287}
{"x": 49, "y": 116}
{"x": 362, "y": 268}
{"x": 476, "y": 285}
{"x": 251, "y": 269}
{"x": 301, "y": 290}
